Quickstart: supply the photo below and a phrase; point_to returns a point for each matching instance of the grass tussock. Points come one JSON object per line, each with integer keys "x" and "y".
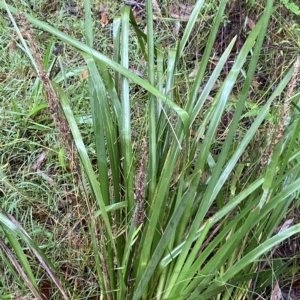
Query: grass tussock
{"x": 149, "y": 150}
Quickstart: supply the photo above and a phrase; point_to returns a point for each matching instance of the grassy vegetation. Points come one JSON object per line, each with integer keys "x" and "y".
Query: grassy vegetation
{"x": 149, "y": 151}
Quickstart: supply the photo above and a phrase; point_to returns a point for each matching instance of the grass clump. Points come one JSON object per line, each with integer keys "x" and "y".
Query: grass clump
{"x": 149, "y": 180}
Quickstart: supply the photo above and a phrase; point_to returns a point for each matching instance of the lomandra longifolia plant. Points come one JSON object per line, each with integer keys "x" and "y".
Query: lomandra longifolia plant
{"x": 169, "y": 217}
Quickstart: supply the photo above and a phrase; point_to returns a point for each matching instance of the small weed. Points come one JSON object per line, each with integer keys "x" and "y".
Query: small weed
{"x": 291, "y": 6}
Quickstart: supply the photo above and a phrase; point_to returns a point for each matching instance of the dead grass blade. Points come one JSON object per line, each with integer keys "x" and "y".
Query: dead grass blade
{"x": 47, "y": 268}
{"x": 19, "y": 269}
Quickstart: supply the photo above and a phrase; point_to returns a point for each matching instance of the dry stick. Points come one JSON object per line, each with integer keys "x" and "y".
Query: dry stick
{"x": 62, "y": 125}
{"x": 53, "y": 104}
{"x": 48, "y": 269}
{"x": 105, "y": 273}
{"x": 52, "y": 98}
{"x": 140, "y": 187}
{"x": 19, "y": 269}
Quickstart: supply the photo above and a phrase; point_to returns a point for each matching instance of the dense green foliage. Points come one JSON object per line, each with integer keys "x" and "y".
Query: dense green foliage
{"x": 168, "y": 214}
